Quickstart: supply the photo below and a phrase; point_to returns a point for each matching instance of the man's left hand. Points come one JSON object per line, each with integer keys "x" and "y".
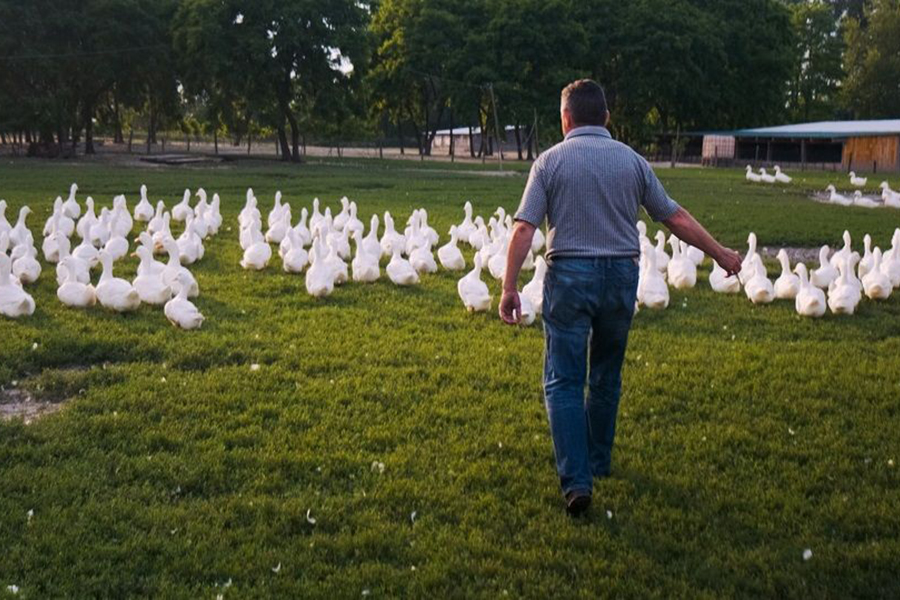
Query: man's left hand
{"x": 510, "y": 308}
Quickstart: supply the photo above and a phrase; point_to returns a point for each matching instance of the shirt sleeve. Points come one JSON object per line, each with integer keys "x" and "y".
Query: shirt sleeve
{"x": 533, "y": 207}
{"x": 655, "y": 200}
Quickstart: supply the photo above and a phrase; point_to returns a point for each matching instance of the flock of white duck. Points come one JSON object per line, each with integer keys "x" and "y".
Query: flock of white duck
{"x": 104, "y": 242}
{"x": 845, "y": 275}
{"x": 889, "y": 197}
{"x": 320, "y": 244}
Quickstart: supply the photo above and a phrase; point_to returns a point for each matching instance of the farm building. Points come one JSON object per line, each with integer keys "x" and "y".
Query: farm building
{"x": 866, "y": 146}
{"x": 462, "y": 137}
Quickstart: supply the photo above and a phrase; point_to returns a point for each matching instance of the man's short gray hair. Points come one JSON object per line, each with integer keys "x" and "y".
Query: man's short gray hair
{"x": 585, "y": 101}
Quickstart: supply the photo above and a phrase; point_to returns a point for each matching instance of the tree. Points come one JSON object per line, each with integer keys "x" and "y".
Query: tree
{"x": 815, "y": 84}
{"x": 268, "y": 56}
{"x": 872, "y": 87}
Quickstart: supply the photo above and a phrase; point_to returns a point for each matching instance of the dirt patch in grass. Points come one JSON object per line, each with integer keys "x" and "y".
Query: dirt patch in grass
{"x": 17, "y": 403}
{"x": 804, "y": 255}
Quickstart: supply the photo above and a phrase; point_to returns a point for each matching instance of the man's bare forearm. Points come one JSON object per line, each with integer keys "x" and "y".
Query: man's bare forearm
{"x": 686, "y": 228}
{"x": 519, "y": 245}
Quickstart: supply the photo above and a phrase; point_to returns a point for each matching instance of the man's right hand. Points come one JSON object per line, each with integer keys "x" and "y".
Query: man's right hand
{"x": 729, "y": 260}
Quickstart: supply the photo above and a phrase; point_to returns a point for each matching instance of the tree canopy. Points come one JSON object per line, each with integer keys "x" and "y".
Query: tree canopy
{"x": 332, "y": 68}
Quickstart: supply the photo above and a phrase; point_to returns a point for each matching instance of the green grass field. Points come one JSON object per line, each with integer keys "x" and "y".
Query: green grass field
{"x": 746, "y": 434}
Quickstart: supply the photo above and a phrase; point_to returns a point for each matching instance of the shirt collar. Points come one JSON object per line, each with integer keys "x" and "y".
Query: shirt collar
{"x": 589, "y": 130}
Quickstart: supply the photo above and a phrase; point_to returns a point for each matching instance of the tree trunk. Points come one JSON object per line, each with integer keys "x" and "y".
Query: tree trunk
{"x": 518, "y": 140}
{"x": 452, "y": 156}
{"x": 88, "y": 128}
{"x": 471, "y": 142}
{"x": 295, "y": 135}
{"x": 400, "y": 135}
{"x": 130, "y": 139}
{"x": 249, "y": 142}
{"x": 117, "y": 136}
{"x": 283, "y": 143}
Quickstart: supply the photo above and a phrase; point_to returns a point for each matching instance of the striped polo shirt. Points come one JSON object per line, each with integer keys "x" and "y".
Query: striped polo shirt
{"x": 589, "y": 188}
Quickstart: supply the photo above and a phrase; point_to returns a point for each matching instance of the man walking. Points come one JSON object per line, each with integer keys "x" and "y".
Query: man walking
{"x": 589, "y": 188}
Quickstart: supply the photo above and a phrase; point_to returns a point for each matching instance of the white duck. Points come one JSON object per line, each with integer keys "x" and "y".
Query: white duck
{"x": 682, "y": 272}
{"x": 365, "y": 265}
{"x": 341, "y": 218}
{"x": 841, "y": 255}
{"x": 77, "y": 269}
{"x": 250, "y": 212}
{"x": 765, "y": 177}
{"x": 143, "y": 212}
{"x": 25, "y": 265}
{"x": 116, "y": 246}
{"x": 87, "y": 253}
{"x": 183, "y": 210}
{"x": 258, "y": 253}
{"x": 352, "y": 223}
{"x": 14, "y": 301}
{"x": 826, "y": 273}
{"x": 652, "y": 290}
{"x": 158, "y": 222}
{"x": 473, "y": 291}
{"x": 662, "y": 257}
{"x": 20, "y": 234}
{"x": 399, "y": 270}
{"x": 890, "y": 261}
{"x": 723, "y": 283}
{"x": 759, "y": 289}
{"x": 864, "y": 202}
{"x": 371, "y": 242}
{"x": 315, "y": 216}
{"x": 71, "y": 207}
{"x": 5, "y": 227}
{"x": 695, "y": 254}
{"x": 278, "y": 230}
{"x": 171, "y": 274}
{"x": 537, "y": 242}
{"x": 56, "y": 244}
{"x": 336, "y": 265}
{"x": 190, "y": 245}
{"x": 391, "y": 237}
{"x": 526, "y": 310}
{"x": 319, "y": 279}
{"x": 876, "y": 284}
{"x": 276, "y": 212}
{"x": 857, "y": 181}
{"x": 844, "y": 297}
{"x": 745, "y": 272}
{"x": 450, "y": 255}
{"x": 163, "y": 236}
{"x": 148, "y": 265}
{"x": 787, "y": 286}
{"x": 74, "y": 293}
{"x": 751, "y": 176}
{"x": 180, "y": 311}
{"x": 466, "y": 227}
{"x": 781, "y": 177}
{"x": 83, "y": 227}
{"x": 836, "y": 198}
{"x": 865, "y": 265}
{"x": 123, "y": 223}
{"x": 497, "y": 262}
{"x": 150, "y": 284}
{"x": 810, "y": 300}
{"x": 115, "y": 293}
{"x": 295, "y": 257}
{"x": 890, "y": 198}
{"x": 213, "y": 216}
{"x": 422, "y": 259}
{"x": 534, "y": 289}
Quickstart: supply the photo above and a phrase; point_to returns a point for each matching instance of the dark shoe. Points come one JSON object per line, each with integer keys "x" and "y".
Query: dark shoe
{"x": 577, "y": 503}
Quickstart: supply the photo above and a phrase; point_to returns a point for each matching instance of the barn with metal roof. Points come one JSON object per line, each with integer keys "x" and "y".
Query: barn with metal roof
{"x": 865, "y": 146}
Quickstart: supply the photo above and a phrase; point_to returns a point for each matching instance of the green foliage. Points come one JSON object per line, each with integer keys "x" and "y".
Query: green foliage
{"x": 746, "y": 435}
{"x": 872, "y": 87}
{"x": 814, "y": 87}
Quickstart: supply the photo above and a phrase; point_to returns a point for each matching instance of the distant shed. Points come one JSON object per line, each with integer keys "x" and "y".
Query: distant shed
{"x": 866, "y": 146}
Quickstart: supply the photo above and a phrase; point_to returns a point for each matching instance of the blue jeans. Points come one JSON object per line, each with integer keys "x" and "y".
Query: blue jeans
{"x": 588, "y": 303}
